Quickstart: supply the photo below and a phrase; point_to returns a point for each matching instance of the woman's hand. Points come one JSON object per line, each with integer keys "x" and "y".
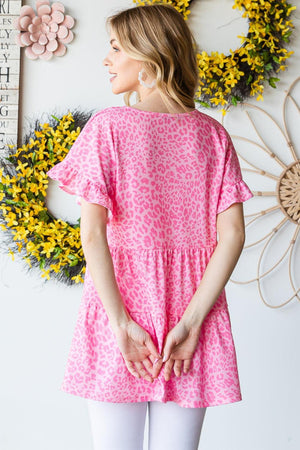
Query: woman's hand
{"x": 138, "y": 350}
{"x": 179, "y": 347}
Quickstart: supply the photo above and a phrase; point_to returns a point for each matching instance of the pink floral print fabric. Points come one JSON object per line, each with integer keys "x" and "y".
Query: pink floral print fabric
{"x": 164, "y": 178}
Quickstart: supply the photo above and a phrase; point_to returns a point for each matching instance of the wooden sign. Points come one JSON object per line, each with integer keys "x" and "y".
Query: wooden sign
{"x": 9, "y": 73}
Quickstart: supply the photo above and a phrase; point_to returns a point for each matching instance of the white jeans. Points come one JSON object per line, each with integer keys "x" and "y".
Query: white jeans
{"x": 121, "y": 426}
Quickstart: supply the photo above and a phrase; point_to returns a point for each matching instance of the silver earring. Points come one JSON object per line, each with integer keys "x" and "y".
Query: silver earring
{"x": 143, "y": 82}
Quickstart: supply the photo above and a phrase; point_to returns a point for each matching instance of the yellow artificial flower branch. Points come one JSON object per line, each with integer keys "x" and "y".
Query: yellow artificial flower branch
{"x": 226, "y": 80}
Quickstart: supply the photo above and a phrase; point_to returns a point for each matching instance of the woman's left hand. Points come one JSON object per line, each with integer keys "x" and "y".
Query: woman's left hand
{"x": 179, "y": 347}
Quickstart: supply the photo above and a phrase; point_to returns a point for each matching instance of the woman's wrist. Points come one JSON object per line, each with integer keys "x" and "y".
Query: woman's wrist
{"x": 121, "y": 320}
{"x": 192, "y": 316}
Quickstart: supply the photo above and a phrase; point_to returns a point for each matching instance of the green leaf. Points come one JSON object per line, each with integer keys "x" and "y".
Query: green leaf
{"x": 74, "y": 263}
{"x": 42, "y": 263}
{"x": 272, "y": 81}
{"x": 205, "y": 104}
{"x": 33, "y": 158}
{"x": 41, "y": 197}
{"x": 13, "y": 202}
{"x": 58, "y": 120}
{"x": 234, "y": 100}
{"x": 11, "y": 159}
{"x": 50, "y": 148}
{"x": 268, "y": 67}
{"x": 250, "y": 78}
{"x": 37, "y": 237}
{"x": 43, "y": 216}
{"x": 276, "y": 59}
{"x": 67, "y": 273}
{"x": 74, "y": 260}
{"x": 58, "y": 251}
{"x": 266, "y": 56}
{"x": 50, "y": 145}
{"x": 286, "y": 36}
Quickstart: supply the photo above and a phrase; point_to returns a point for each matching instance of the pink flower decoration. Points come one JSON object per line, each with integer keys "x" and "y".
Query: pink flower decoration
{"x": 44, "y": 34}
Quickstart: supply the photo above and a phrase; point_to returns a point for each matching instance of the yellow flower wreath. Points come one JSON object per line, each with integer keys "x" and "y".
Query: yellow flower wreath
{"x": 229, "y": 79}
{"x": 44, "y": 241}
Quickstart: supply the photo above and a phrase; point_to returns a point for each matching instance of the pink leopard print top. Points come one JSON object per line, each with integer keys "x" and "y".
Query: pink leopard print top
{"x": 164, "y": 178}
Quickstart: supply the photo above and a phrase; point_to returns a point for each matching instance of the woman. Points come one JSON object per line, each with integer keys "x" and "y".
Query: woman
{"x": 157, "y": 182}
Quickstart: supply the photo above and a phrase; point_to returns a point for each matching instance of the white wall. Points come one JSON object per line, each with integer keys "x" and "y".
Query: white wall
{"x": 37, "y": 320}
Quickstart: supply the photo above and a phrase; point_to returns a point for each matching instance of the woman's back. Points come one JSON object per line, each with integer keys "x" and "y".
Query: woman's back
{"x": 165, "y": 176}
{"x": 164, "y": 179}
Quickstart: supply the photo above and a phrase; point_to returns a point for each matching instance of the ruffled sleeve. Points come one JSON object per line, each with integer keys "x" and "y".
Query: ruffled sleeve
{"x": 233, "y": 188}
{"x": 88, "y": 170}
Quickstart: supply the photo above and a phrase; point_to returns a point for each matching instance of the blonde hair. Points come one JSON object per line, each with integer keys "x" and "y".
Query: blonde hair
{"x": 158, "y": 35}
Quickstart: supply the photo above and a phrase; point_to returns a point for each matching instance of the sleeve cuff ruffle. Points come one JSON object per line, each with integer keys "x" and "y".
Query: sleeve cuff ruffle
{"x": 235, "y": 193}
{"x": 75, "y": 183}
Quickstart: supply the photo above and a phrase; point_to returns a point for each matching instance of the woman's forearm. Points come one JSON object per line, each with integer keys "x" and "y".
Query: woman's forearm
{"x": 216, "y": 275}
{"x": 100, "y": 265}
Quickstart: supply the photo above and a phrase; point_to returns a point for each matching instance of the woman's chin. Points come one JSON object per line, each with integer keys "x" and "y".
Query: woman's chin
{"x": 117, "y": 91}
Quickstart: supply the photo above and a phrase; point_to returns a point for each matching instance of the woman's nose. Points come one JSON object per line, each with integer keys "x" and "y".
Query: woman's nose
{"x": 106, "y": 61}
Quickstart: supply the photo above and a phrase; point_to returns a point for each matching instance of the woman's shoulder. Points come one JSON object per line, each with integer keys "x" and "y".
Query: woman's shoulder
{"x": 211, "y": 120}
{"x": 101, "y": 114}
{"x": 102, "y": 118}
{"x": 214, "y": 126}
{"x": 110, "y": 111}
{"x": 112, "y": 115}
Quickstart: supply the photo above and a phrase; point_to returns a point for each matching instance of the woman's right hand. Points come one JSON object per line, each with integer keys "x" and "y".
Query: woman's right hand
{"x": 138, "y": 350}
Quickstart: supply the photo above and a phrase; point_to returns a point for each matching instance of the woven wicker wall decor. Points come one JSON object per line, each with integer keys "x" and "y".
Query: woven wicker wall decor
{"x": 286, "y": 194}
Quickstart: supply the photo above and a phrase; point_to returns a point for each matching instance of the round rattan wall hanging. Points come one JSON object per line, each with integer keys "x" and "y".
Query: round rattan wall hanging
{"x": 286, "y": 196}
